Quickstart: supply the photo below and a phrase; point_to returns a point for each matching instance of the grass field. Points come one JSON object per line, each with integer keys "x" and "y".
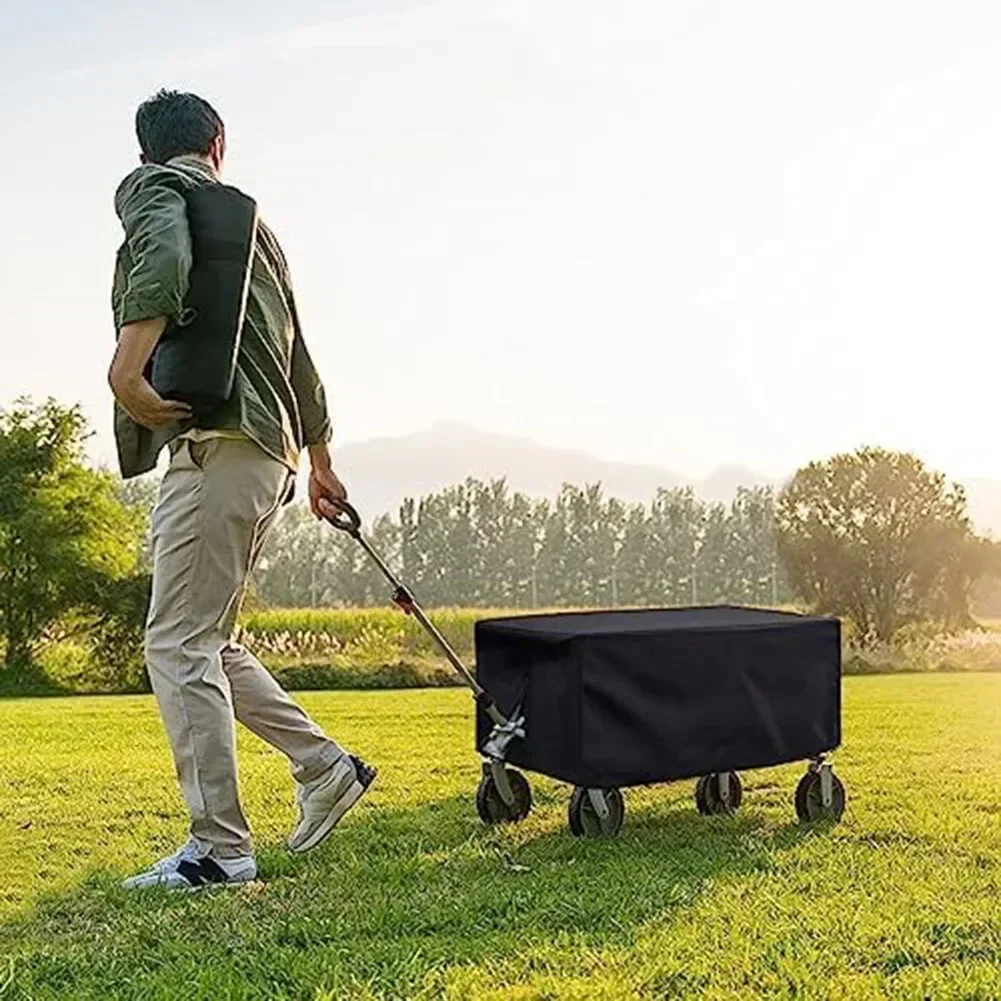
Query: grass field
{"x": 412, "y": 898}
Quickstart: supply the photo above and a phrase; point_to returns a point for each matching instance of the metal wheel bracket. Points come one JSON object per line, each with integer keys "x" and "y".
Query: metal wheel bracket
{"x": 724, "y": 788}
{"x": 597, "y": 798}
{"x": 499, "y": 774}
{"x": 496, "y": 745}
{"x": 826, "y": 785}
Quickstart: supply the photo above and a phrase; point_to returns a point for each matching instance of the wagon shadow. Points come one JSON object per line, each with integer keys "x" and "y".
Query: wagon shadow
{"x": 427, "y": 877}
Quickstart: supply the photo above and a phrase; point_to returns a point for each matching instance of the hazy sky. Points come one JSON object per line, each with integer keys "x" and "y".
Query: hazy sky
{"x": 679, "y": 231}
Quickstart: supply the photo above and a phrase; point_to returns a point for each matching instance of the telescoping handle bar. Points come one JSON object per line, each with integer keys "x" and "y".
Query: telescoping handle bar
{"x": 346, "y": 519}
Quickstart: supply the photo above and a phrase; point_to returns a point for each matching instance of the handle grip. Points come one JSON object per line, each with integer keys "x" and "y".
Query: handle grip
{"x": 346, "y": 519}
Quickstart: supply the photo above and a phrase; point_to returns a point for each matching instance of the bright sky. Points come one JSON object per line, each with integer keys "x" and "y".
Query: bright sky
{"x": 679, "y": 231}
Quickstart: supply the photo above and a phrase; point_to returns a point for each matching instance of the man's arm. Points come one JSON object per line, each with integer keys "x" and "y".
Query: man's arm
{"x": 150, "y": 203}
{"x": 152, "y": 209}
{"x": 306, "y": 385}
{"x": 324, "y": 484}
{"x": 136, "y": 343}
{"x": 309, "y": 394}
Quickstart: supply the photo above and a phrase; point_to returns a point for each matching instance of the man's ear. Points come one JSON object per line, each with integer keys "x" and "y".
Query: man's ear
{"x": 217, "y": 152}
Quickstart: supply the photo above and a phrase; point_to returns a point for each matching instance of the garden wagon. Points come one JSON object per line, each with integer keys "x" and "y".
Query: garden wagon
{"x": 605, "y": 700}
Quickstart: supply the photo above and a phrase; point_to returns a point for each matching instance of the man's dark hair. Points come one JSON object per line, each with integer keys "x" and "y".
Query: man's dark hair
{"x": 172, "y": 123}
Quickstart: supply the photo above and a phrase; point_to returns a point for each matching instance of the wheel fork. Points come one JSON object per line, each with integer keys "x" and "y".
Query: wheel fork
{"x": 498, "y": 772}
{"x": 824, "y": 769}
{"x": 597, "y": 798}
{"x": 724, "y": 788}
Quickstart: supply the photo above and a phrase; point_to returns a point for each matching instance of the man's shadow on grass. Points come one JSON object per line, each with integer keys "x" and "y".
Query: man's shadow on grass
{"x": 428, "y": 880}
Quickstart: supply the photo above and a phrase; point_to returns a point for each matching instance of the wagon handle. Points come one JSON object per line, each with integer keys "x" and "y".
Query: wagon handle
{"x": 346, "y": 519}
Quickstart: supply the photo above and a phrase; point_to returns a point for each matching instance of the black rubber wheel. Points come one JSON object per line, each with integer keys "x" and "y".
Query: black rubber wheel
{"x": 584, "y": 819}
{"x": 493, "y": 810}
{"x": 700, "y": 795}
{"x": 809, "y": 801}
{"x": 709, "y": 799}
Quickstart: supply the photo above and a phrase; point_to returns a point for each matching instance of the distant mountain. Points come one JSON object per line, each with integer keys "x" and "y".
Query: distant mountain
{"x": 722, "y": 485}
{"x": 382, "y": 471}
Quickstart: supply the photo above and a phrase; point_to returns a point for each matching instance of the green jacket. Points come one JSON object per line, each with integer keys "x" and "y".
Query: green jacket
{"x": 278, "y": 399}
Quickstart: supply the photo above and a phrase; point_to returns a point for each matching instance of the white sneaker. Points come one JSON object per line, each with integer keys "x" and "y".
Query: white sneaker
{"x": 194, "y": 872}
{"x": 187, "y": 851}
{"x": 324, "y": 801}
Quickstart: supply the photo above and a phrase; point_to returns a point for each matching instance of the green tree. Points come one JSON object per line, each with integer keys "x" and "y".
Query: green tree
{"x": 555, "y": 585}
{"x": 64, "y": 534}
{"x": 985, "y": 597}
{"x": 633, "y": 558}
{"x": 750, "y": 560}
{"x": 594, "y": 538}
{"x": 306, "y": 563}
{"x": 676, "y": 531}
{"x": 140, "y": 494}
{"x": 296, "y": 560}
{"x": 877, "y": 537}
{"x": 496, "y": 516}
{"x": 367, "y": 586}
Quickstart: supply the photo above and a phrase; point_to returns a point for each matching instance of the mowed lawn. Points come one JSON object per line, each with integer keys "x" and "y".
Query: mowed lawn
{"x": 413, "y": 898}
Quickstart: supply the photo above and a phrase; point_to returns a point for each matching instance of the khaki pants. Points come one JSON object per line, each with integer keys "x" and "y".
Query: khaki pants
{"x": 216, "y": 503}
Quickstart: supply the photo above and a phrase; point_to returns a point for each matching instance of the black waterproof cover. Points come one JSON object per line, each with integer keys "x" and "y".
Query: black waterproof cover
{"x": 627, "y": 698}
{"x": 195, "y": 360}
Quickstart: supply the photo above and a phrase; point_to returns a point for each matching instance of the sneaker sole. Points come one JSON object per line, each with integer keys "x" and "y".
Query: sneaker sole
{"x": 332, "y": 819}
{"x": 163, "y": 888}
{"x": 210, "y": 887}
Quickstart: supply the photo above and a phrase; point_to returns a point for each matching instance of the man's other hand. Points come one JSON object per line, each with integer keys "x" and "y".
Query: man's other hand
{"x": 324, "y": 484}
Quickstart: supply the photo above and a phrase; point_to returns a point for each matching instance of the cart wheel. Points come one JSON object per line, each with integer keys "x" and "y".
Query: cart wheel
{"x": 584, "y": 819}
{"x": 700, "y": 795}
{"x": 493, "y": 810}
{"x": 709, "y": 797}
{"x": 809, "y": 799}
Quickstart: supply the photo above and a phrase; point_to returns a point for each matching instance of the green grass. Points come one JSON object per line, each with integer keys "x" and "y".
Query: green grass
{"x": 412, "y": 898}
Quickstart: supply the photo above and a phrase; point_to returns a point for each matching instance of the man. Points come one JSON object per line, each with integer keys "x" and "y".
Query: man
{"x": 228, "y": 477}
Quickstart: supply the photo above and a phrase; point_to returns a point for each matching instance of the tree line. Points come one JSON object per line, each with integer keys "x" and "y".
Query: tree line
{"x": 483, "y": 545}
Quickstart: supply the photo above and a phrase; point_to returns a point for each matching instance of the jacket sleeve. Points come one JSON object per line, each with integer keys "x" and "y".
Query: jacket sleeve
{"x": 309, "y": 393}
{"x": 150, "y": 203}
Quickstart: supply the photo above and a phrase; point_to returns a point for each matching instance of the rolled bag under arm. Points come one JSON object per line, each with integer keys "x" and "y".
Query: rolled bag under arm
{"x": 195, "y": 359}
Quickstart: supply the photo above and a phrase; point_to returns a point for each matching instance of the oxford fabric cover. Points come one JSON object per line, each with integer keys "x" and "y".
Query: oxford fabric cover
{"x": 195, "y": 360}
{"x": 624, "y": 698}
